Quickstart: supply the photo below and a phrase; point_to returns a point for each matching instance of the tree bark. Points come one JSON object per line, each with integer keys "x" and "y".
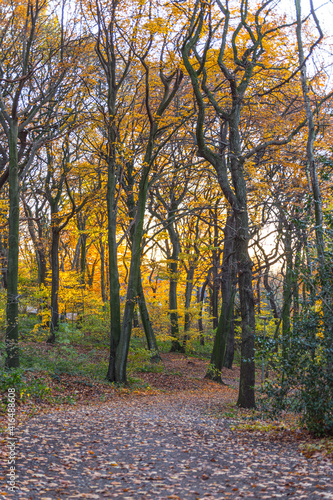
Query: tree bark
{"x": 176, "y": 345}
{"x": 3, "y": 259}
{"x": 188, "y": 297}
{"x": 287, "y": 290}
{"x": 76, "y": 259}
{"x": 102, "y": 254}
{"x": 149, "y": 332}
{"x": 201, "y": 296}
{"x": 228, "y": 293}
{"x": 215, "y": 270}
{"x": 12, "y": 334}
{"x": 141, "y": 301}
{"x": 54, "y": 325}
{"x": 113, "y": 274}
{"x": 270, "y": 294}
{"x": 228, "y": 287}
{"x": 38, "y": 244}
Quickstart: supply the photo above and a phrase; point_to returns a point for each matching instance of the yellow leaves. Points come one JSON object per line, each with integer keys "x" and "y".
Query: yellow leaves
{"x": 157, "y": 25}
{"x": 4, "y": 208}
{"x": 45, "y": 315}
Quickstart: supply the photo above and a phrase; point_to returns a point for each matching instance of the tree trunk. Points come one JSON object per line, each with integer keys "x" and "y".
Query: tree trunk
{"x": 12, "y": 360}
{"x": 42, "y": 266}
{"x": 83, "y": 259}
{"x": 176, "y": 345}
{"x": 188, "y": 297}
{"x": 270, "y": 295}
{"x": 201, "y": 296}
{"x": 215, "y": 292}
{"x": 228, "y": 293}
{"x": 230, "y": 348}
{"x": 325, "y": 284}
{"x": 246, "y": 397}
{"x": 309, "y": 146}
{"x": 287, "y": 292}
{"x": 215, "y": 269}
{"x": 149, "y": 332}
{"x": 113, "y": 274}
{"x": 3, "y": 260}
{"x": 76, "y": 259}
{"x": 38, "y": 244}
{"x": 228, "y": 286}
{"x": 141, "y": 301}
{"x": 135, "y": 318}
{"x": 258, "y": 298}
{"x": 91, "y": 274}
{"x": 102, "y": 254}
{"x": 54, "y": 325}
{"x": 133, "y": 278}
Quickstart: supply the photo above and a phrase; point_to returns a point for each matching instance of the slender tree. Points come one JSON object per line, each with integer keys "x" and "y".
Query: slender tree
{"x": 33, "y": 73}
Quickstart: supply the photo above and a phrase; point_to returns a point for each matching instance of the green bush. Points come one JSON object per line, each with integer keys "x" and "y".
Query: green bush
{"x": 151, "y": 368}
{"x": 137, "y": 359}
{"x": 303, "y": 374}
{"x": 24, "y": 388}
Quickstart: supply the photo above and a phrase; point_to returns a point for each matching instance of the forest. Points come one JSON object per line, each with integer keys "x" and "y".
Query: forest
{"x": 166, "y": 187}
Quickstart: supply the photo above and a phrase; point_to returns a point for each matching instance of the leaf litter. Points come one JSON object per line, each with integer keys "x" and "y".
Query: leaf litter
{"x": 180, "y": 439}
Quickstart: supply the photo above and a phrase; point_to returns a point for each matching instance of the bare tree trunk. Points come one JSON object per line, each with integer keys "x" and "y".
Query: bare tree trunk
{"x": 215, "y": 271}
{"x": 102, "y": 254}
{"x": 113, "y": 275}
{"x": 201, "y": 296}
{"x": 235, "y": 195}
{"x": 54, "y": 325}
{"x": 12, "y": 334}
{"x": 270, "y": 294}
{"x": 149, "y": 332}
{"x": 188, "y": 297}
{"x": 229, "y": 284}
{"x": 176, "y": 345}
{"x": 76, "y": 259}
{"x": 133, "y": 279}
{"x": 3, "y": 260}
{"x": 246, "y": 397}
{"x": 228, "y": 294}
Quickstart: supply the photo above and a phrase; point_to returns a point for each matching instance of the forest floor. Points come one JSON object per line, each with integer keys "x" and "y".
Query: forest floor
{"x": 174, "y": 436}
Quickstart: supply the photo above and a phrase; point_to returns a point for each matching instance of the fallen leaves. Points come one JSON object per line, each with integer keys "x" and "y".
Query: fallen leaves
{"x": 173, "y": 445}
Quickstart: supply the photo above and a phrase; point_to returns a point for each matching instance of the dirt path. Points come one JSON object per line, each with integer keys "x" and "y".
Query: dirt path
{"x": 160, "y": 446}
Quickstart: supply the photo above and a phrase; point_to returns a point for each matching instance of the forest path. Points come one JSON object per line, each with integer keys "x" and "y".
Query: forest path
{"x": 158, "y": 447}
{"x": 173, "y": 444}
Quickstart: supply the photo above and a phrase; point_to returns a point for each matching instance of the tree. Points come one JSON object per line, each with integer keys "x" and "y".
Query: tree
{"x": 119, "y": 50}
{"x": 229, "y": 145}
{"x": 37, "y": 55}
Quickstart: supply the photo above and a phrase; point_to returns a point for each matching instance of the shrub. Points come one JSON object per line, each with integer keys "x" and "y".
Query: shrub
{"x": 24, "y": 388}
{"x": 303, "y": 379}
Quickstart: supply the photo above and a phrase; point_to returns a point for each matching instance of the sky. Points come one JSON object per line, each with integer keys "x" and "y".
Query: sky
{"x": 324, "y": 11}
